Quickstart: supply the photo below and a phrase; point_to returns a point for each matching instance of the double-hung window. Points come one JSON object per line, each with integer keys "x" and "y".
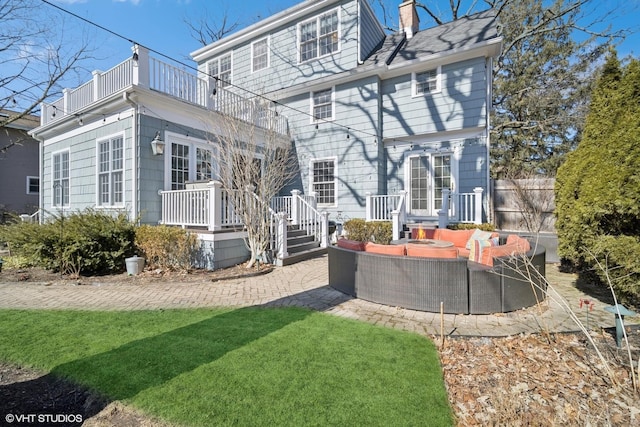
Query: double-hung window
{"x": 221, "y": 69}
{"x": 60, "y": 180}
{"x": 111, "y": 171}
{"x": 427, "y": 82}
{"x": 322, "y": 105}
{"x": 319, "y": 36}
{"x": 323, "y": 181}
{"x": 33, "y": 185}
{"x": 260, "y": 54}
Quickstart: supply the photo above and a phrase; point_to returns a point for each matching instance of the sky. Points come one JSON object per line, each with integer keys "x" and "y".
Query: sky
{"x": 160, "y": 24}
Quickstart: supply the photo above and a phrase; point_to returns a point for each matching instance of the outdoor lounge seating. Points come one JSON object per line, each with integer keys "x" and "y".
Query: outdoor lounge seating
{"x": 463, "y": 286}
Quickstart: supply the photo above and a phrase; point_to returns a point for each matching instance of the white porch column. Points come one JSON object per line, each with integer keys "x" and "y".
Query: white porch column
{"x": 295, "y": 207}
{"x": 65, "y": 102}
{"x": 215, "y": 204}
{"x": 478, "y": 205}
{"x": 403, "y": 206}
{"x": 324, "y": 229}
{"x": 281, "y": 239}
{"x": 314, "y": 200}
{"x": 367, "y": 206}
{"x": 141, "y": 67}
{"x": 395, "y": 223}
{"x": 96, "y": 84}
{"x": 443, "y": 213}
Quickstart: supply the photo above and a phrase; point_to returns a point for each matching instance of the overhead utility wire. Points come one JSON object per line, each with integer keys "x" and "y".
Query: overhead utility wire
{"x": 348, "y": 128}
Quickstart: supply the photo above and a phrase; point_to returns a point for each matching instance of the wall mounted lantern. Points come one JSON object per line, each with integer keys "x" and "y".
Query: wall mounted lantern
{"x": 157, "y": 145}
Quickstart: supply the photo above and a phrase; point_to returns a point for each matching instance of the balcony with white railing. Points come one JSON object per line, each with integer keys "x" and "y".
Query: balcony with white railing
{"x": 150, "y": 73}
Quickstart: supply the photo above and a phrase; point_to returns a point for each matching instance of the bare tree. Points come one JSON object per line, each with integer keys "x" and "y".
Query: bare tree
{"x": 35, "y": 58}
{"x": 254, "y": 162}
{"x": 206, "y": 30}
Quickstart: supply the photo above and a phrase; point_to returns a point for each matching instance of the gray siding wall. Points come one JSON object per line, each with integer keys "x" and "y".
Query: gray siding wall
{"x": 16, "y": 164}
{"x": 285, "y": 70}
{"x": 371, "y": 34}
{"x": 82, "y": 166}
{"x": 460, "y": 105}
{"x": 360, "y": 166}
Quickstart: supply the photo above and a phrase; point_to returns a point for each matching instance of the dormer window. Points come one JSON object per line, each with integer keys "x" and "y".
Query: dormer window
{"x": 427, "y": 82}
{"x": 318, "y": 36}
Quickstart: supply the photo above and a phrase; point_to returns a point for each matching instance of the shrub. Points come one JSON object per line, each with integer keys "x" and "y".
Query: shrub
{"x": 166, "y": 247}
{"x": 82, "y": 243}
{"x": 373, "y": 231}
{"x": 484, "y": 226}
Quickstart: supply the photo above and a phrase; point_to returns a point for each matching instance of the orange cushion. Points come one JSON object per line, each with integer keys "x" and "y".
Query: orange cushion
{"x": 522, "y": 243}
{"x": 354, "y": 245}
{"x": 496, "y": 251}
{"x": 424, "y": 251}
{"x": 459, "y": 238}
{"x": 423, "y": 233}
{"x": 375, "y": 248}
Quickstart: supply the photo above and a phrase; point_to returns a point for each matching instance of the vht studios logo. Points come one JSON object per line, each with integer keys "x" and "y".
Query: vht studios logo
{"x": 43, "y": 418}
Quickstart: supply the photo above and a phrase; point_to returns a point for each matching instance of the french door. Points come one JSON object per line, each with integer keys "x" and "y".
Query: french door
{"x": 428, "y": 175}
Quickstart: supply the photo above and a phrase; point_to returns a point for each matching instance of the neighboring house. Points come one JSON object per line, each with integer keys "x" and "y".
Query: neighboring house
{"x": 19, "y": 166}
{"x": 380, "y": 123}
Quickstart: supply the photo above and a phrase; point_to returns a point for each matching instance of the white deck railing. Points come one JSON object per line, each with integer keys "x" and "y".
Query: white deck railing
{"x": 151, "y": 73}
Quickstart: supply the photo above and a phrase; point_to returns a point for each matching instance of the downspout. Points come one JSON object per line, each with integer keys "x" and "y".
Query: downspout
{"x": 489, "y": 76}
{"x": 359, "y": 24}
{"x": 134, "y": 157}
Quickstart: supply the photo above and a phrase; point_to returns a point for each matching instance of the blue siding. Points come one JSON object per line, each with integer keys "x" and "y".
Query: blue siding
{"x": 461, "y": 104}
{"x": 371, "y": 35}
{"x": 82, "y": 166}
{"x": 360, "y": 164}
{"x": 285, "y": 70}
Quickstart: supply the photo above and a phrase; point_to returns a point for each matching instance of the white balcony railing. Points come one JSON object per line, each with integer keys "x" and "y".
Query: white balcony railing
{"x": 151, "y": 73}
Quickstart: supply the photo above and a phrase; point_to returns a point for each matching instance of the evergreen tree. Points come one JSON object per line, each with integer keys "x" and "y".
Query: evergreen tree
{"x": 598, "y": 187}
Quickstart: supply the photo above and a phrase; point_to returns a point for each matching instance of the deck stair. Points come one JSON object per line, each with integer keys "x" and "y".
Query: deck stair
{"x": 300, "y": 246}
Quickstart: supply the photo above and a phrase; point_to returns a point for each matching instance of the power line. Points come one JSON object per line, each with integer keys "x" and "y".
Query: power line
{"x": 217, "y": 79}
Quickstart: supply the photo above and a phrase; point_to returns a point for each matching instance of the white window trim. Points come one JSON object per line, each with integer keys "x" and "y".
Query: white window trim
{"x": 253, "y": 70}
{"x": 317, "y": 19}
{"x": 431, "y": 154}
{"x": 414, "y": 83}
{"x": 29, "y": 179}
{"x": 217, "y": 59}
{"x": 334, "y": 159}
{"x": 111, "y": 205}
{"x": 53, "y": 190}
{"x": 170, "y": 138}
{"x": 312, "y": 116}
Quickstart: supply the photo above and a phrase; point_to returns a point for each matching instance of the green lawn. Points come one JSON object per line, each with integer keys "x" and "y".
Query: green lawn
{"x": 249, "y": 366}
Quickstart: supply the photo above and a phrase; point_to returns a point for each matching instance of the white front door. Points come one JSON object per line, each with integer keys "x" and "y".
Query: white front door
{"x": 428, "y": 175}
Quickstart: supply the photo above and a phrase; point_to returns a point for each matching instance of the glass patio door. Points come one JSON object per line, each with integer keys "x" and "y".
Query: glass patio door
{"x": 428, "y": 176}
{"x": 419, "y": 185}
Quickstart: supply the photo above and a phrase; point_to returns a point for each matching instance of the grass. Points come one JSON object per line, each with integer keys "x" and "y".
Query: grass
{"x": 249, "y": 366}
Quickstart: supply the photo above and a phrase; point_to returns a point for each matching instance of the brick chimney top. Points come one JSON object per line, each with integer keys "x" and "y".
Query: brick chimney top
{"x": 409, "y": 21}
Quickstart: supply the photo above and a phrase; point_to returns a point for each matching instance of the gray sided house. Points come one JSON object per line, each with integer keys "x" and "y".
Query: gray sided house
{"x": 385, "y": 127}
{"x": 19, "y": 166}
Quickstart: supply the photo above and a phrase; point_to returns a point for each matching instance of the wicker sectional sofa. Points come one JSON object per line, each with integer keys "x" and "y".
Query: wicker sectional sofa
{"x": 463, "y": 286}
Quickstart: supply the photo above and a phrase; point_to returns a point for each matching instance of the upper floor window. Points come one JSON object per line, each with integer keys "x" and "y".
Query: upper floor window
{"x": 426, "y": 82}
{"x": 60, "y": 180}
{"x": 318, "y": 36}
{"x": 221, "y": 68}
{"x": 33, "y": 185}
{"x": 260, "y": 54}
{"x": 111, "y": 171}
{"x": 322, "y": 105}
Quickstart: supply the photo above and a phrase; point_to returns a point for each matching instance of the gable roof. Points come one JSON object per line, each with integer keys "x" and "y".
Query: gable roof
{"x": 464, "y": 33}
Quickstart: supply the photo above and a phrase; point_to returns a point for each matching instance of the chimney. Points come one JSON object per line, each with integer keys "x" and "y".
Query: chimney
{"x": 409, "y": 18}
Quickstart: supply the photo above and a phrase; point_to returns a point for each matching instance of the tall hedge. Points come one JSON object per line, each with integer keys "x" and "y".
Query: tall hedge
{"x": 598, "y": 187}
